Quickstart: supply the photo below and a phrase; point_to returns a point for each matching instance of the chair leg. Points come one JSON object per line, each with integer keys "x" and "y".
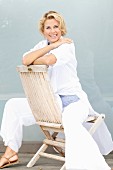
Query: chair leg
{"x": 63, "y": 167}
{"x": 37, "y": 156}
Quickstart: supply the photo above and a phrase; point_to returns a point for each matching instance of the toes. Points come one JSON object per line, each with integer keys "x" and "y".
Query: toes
{"x": 3, "y": 161}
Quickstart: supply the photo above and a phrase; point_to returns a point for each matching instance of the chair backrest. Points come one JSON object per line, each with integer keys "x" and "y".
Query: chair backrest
{"x": 38, "y": 90}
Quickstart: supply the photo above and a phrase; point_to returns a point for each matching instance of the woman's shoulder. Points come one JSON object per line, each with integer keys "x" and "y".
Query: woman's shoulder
{"x": 68, "y": 46}
{"x": 41, "y": 43}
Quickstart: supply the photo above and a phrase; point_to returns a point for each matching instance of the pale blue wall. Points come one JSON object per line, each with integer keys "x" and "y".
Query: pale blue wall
{"x": 90, "y": 25}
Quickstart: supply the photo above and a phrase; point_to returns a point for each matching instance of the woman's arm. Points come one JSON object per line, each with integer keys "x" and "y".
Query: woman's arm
{"x": 46, "y": 60}
{"x": 34, "y": 55}
{"x": 39, "y": 56}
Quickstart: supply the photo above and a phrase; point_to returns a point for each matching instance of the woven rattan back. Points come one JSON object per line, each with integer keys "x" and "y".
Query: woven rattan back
{"x": 39, "y": 93}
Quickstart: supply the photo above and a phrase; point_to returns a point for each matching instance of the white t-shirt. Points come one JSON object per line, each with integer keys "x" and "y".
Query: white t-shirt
{"x": 63, "y": 74}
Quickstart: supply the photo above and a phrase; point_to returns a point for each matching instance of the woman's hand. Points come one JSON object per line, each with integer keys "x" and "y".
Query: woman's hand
{"x": 61, "y": 41}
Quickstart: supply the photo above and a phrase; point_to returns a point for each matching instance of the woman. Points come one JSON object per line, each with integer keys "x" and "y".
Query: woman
{"x": 82, "y": 153}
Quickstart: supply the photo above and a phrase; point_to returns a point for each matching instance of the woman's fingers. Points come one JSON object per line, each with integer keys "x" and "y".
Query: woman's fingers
{"x": 67, "y": 40}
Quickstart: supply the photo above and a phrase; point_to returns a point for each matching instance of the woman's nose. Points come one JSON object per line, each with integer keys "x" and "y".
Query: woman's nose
{"x": 52, "y": 30}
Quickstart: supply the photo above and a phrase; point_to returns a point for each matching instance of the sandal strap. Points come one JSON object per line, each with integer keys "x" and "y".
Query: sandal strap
{"x": 6, "y": 159}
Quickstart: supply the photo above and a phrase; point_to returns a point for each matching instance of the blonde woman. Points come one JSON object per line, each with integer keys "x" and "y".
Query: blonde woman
{"x": 58, "y": 52}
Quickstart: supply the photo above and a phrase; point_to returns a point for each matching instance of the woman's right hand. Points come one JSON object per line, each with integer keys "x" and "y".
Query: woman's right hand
{"x": 61, "y": 41}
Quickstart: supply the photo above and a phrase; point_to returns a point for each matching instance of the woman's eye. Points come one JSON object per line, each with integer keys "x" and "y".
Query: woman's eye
{"x": 56, "y": 26}
{"x": 47, "y": 27}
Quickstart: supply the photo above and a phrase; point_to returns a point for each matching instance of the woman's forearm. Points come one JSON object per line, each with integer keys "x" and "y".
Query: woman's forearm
{"x": 34, "y": 55}
{"x": 45, "y": 60}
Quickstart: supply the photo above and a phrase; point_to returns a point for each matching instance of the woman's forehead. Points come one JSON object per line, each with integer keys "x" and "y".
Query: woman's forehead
{"x": 51, "y": 22}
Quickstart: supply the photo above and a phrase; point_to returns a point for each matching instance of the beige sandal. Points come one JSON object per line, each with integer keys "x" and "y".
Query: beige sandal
{"x": 8, "y": 163}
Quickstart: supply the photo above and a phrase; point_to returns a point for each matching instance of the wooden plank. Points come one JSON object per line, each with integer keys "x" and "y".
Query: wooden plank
{"x": 32, "y": 68}
{"x": 47, "y": 124}
{"x": 54, "y": 143}
{"x": 51, "y": 156}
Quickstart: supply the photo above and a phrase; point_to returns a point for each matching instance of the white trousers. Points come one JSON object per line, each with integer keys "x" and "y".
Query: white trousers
{"x": 16, "y": 114}
{"x": 82, "y": 152}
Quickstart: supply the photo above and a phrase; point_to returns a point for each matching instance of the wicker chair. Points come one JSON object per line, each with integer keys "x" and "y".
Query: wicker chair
{"x": 46, "y": 111}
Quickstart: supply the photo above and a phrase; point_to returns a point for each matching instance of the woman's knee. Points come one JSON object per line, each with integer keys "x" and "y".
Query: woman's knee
{"x": 75, "y": 112}
{"x": 10, "y": 102}
{"x": 13, "y": 105}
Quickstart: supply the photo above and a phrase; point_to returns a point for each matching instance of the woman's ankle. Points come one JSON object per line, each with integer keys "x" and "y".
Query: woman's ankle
{"x": 9, "y": 153}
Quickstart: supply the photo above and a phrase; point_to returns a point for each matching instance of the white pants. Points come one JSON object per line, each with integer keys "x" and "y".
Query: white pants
{"x": 16, "y": 114}
{"x": 81, "y": 150}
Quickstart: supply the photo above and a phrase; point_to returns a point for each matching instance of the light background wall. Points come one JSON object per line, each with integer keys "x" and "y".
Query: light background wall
{"x": 90, "y": 25}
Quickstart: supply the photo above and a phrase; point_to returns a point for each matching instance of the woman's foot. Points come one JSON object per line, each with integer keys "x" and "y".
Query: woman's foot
{"x": 5, "y": 162}
{"x": 10, "y": 157}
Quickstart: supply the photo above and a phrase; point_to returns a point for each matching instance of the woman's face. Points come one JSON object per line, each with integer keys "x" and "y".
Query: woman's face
{"x": 52, "y": 31}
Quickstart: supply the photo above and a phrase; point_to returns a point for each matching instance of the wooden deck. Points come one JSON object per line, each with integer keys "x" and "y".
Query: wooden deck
{"x": 46, "y": 164}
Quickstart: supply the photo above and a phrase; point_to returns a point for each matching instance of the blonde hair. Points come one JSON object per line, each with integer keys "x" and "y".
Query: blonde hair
{"x": 57, "y": 17}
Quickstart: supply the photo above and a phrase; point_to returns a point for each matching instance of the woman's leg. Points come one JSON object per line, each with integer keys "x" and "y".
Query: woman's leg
{"x": 81, "y": 150}
{"x": 16, "y": 114}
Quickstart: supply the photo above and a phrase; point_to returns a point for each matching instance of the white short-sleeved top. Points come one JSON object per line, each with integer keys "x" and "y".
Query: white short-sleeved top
{"x": 63, "y": 74}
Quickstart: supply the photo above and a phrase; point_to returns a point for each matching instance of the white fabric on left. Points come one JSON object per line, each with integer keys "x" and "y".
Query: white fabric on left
{"x": 16, "y": 114}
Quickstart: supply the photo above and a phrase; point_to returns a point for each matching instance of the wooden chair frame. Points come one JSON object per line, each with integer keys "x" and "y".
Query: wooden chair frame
{"x": 38, "y": 90}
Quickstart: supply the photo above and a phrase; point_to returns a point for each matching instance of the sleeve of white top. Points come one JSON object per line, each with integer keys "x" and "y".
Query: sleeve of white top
{"x": 36, "y": 47}
{"x": 64, "y": 53}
